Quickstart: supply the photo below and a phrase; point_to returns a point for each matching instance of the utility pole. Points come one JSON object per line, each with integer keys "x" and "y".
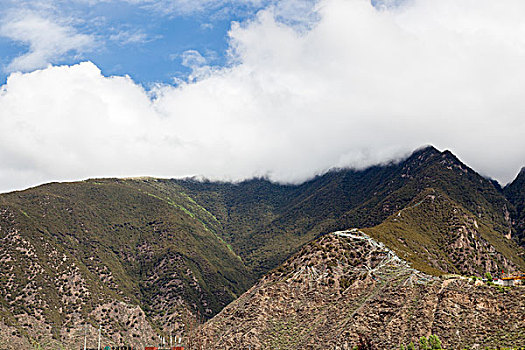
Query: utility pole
{"x": 85, "y": 337}
{"x": 99, "y": 334}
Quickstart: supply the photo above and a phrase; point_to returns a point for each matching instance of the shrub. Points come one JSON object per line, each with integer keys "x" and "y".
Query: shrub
{"x": 364, "y": 343}
{"x": 344, "y": 283}
{"x": 488, "y": 276}
{"x": 423, "y": 343}
{"x": 434, "y": 342}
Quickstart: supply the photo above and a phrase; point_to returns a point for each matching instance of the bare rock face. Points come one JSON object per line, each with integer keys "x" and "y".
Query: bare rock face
{"x": 346, "y": 286}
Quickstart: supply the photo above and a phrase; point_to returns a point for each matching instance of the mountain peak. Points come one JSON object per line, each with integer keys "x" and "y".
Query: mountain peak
{"x": 427, "y": 150}
{"x": 447, "y": 154}
{"x": 421, "y": 156}
{"x": 423, "y": 153}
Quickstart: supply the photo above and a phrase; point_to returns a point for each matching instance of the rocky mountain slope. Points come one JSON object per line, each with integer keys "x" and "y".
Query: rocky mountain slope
{"x": 144, "y": 257}
{"x": 346, "y": 286}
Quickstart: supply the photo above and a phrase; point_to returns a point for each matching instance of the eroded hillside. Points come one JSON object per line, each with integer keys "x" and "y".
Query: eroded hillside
{"x": 345, "y": 285}
{"x": 437, "y": 235}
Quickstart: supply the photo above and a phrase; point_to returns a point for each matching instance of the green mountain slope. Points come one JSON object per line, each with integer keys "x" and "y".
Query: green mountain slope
{"x": 266, "y": 223}
{"x": 515, "y": 192}
{"x": 67, "y": 249}
{"x": 148, "y": 256}
{"x": 437, "y": 235}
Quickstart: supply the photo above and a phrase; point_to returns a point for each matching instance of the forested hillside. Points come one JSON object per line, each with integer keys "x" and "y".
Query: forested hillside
{"x": 515, "y": 192}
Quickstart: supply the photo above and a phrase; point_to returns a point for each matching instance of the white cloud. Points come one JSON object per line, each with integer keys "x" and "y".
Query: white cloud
{"x": 192, "y": 59}
{"x": 207, "y": 26}
{"x": 47, "y": 40}
{"x": 184, "y": 7}
{"x": 125, "y": 37}
{"x": 361, "y": 87}
{"x": 300, "y": 14}
{"x": 201, "y": 67}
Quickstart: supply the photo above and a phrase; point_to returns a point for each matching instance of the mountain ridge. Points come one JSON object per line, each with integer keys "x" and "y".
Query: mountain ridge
{"x": 351, "y": 198}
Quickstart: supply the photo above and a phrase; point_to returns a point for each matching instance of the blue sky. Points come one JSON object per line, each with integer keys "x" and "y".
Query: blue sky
{"x": 145, "y": 39}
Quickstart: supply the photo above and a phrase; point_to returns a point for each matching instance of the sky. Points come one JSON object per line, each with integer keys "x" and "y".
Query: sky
{"x": 231, "y": 89}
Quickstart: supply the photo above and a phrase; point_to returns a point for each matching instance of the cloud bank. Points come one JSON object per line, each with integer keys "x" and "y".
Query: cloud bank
{"x": 363, "y": 86}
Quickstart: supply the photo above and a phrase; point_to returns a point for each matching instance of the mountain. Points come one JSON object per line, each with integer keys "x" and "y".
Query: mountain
{"x": 515, "y": 192}
{"x": 345, "y": 288}
{"x": 146, "y": 257}
{"x": 133, "y": 255}
{"x": 265, "y": 223}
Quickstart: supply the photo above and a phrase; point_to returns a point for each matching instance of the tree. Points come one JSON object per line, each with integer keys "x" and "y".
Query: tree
{"x": 411, "y": 346}
{"x": 488, "y": 276}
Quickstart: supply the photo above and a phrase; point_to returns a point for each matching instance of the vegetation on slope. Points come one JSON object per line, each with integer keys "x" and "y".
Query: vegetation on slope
{"x": 181, "y": 250}
{"x": 69, "y": 248}
{"x": 515, "y": 192}
{"x": 265, "y": 222}
{"x": 438, "y": 235}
